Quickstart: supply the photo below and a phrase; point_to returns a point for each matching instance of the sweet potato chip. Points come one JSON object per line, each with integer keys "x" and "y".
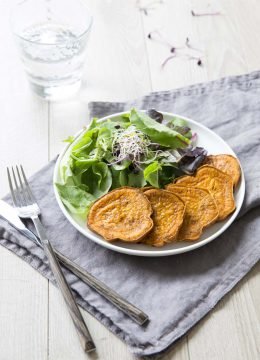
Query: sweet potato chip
{"x": 201, "y": 210}
{"x": 168, "y": 214}
{"x": 226, "y": 163}
{"x": 219, "y": 185}
{"x": 124, "y": 214}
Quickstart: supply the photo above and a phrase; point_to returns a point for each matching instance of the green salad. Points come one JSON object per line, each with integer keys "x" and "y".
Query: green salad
{"x": 136, "y": 149}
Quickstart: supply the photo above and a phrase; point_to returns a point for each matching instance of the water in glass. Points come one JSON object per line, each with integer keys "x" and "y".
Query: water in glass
{"x": 53, "y": 56}
{"x": 52, "y": 38}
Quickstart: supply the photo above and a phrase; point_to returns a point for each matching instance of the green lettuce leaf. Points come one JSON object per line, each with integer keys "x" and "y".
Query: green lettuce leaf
{"x": 180, "y": 125}
{"x": 79, "y": 166}
{"x": 98, "y": 178}
{"x": 123, "y": 122}
{"x": 167, "y": 174}
{"x": 136, "y": 180}
{"x": 176, "y": 121}
{"x": 123, "y": 177}
{"x": 85, "y": 143}
{"x": 122, "y": 165}
{"x": 157, "y": 132}
{"x": 104, "y": 179}
{"x": 75, "y": 199}
{"x": 151, "y": 174}
{"x": 69, "y": 139}
{"x": 104, "y": 140}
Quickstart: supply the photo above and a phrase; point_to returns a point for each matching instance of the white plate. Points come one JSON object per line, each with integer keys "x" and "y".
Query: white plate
{"x": 214, "y": 145}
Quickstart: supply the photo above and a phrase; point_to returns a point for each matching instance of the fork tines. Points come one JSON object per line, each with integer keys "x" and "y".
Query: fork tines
{"x": 19, "y": 187}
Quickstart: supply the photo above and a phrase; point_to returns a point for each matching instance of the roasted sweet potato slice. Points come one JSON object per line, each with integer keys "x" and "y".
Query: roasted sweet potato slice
{"x": 226, "y": 163}
{"x": 201, "y": 211}
{"x": 168, "y": 214}
{"x": 146, "y": 188}
{"x": 124, "y": 214}
{"x": 219, "y": 185}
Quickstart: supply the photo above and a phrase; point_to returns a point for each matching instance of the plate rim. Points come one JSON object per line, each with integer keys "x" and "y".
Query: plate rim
{"x": 147, "y": 253}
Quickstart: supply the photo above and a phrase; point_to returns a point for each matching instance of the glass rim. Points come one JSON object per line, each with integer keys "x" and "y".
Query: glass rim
{"x": 78, "y": 37}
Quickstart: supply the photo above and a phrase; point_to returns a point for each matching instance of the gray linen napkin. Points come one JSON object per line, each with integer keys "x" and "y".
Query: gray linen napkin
{"x": 175, "y": 291}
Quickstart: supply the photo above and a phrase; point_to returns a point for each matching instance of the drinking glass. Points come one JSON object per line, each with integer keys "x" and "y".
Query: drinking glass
{"x": 52, "y": 36}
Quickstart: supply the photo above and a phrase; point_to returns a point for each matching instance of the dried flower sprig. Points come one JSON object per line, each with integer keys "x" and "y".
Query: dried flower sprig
{"x": 188, "y": 44}
{"x": 186, "y": 56}
{"x": 167, "y": 60}
{"x": 214, "y": 13}
{"x": 161, "y": 40}
{"x": 176, "y": 51}
{"x": 199, "y": 61}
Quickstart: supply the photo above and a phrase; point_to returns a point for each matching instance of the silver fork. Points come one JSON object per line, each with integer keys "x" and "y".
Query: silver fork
{"x": 27, "y": 207}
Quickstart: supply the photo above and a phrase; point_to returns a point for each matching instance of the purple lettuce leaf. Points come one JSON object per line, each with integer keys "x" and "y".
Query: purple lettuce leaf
{"x": 155, "y": 115}
{"x": 192, "y": 158}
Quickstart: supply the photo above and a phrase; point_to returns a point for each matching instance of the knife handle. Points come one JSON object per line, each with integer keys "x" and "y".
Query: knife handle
{"x": 132, "y": 311}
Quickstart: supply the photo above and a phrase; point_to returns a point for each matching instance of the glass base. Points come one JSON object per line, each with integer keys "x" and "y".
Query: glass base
{"x": 56, "y": 92}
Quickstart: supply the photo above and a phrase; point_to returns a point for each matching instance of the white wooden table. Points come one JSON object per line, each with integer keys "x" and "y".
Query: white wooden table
{"x": 123, "y": 64}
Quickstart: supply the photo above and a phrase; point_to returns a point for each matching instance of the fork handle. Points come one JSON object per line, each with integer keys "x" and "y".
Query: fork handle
{"x": 79, "y": 323}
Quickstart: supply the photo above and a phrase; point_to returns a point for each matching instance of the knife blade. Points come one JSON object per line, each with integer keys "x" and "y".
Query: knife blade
{"x": 8, "y": 213}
